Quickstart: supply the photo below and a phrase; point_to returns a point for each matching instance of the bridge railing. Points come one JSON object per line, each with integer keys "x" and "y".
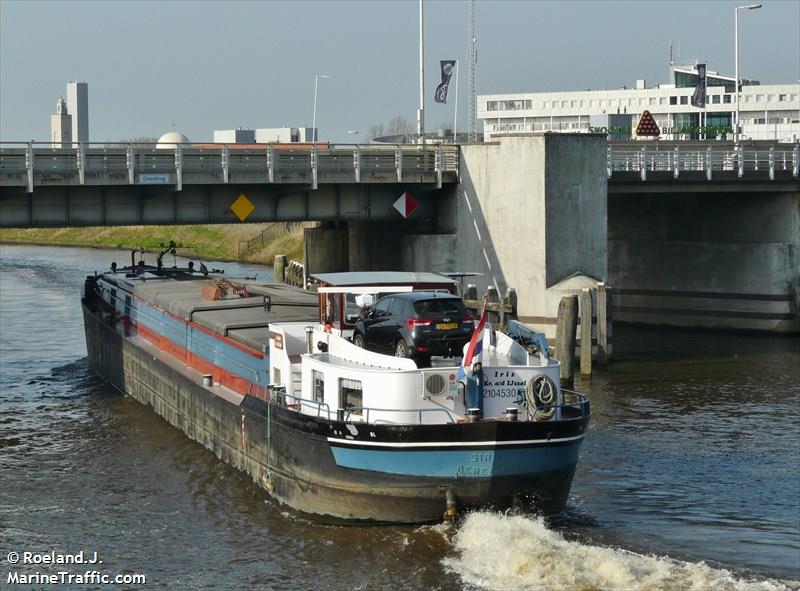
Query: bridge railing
{"x": 32, "y": 163}
{"x": 675, "y": 160}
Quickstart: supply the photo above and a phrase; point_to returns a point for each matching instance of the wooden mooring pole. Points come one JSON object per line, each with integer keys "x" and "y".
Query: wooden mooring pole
{"x": 586, "y": 332}
{"x": 279, "y": 268}
{"x": 602, "y": 324}
{"x": 565, "y": 337}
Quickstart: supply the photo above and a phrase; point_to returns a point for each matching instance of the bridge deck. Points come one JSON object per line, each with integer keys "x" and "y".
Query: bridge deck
{"x": 30, "y": 166}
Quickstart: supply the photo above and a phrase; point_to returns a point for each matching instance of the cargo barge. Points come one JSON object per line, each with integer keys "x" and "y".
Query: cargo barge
{"x": 266, "y": 378}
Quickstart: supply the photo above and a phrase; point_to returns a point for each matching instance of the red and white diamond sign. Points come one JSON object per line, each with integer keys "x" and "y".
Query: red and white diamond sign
{"x": 406, "y": 204}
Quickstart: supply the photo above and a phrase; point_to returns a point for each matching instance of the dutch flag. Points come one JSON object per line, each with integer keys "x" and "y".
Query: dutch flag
{"x": 474, "y": 348}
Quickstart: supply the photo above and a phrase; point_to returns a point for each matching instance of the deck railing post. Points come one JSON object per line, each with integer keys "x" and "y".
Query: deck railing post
{"x": 81, "y": 164}
{"x": 608, "y": 161}
{"x": 740, "y": 160}
{"x": 29, "y": 165}
{"x": 270, "y": 163}
{"x": 643, "y": 163}
{"x": 772, "y": 163}
{"x": 357, "y": 163}
{"x": 226, "y": 157}
{"x": 439, "y": 164}
{"x": 708, "y": 163}
{"x": 314, "y": 162}
{"x": 796, "y": 160}
{"x": 398, "y": 163}
{"x": 178, "y": 168}
{"x": 130, "y": 163}
{"x": 676, "y": 162}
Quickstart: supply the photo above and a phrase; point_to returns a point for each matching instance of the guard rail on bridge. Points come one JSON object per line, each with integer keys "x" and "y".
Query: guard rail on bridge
{"x": 726, "y": 161}
{"x": 35, "y": 164}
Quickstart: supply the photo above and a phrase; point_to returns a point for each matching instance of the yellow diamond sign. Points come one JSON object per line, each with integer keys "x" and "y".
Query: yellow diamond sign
{"x": 242, "y": 207}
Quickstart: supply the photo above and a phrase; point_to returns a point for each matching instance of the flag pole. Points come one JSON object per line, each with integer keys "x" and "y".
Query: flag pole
{"x": 455, "y": 115}
{"x": 421, "y": 112}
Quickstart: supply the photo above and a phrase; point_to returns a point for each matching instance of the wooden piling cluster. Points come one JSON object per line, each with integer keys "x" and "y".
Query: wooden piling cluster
{"x": 569, "y": 310}
{"x": 498, "y": 312}
{"x": 290, "y": 272}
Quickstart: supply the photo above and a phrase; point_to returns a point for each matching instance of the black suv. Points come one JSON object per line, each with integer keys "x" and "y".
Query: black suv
{"x": 417, "y": 324}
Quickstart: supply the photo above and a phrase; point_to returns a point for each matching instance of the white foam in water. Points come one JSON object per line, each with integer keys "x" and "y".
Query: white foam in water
{"x": 515, "y": 553}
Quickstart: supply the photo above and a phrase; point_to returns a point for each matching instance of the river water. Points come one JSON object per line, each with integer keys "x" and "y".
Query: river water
{"x": 689, "y": 477}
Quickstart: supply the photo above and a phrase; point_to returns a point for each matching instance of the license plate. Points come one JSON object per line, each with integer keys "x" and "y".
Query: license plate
{"x": 447, "y": 326}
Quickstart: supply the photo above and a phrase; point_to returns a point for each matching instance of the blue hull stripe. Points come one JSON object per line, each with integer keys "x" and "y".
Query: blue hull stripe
{"x": 214, "y": 350}
{"x": 457, "y": 463}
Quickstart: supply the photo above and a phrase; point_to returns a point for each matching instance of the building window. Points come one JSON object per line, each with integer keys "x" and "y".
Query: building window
{"x": 715, "y": 99}
{"x": 652, "y": 100}
{"x": 673, "y": 100}
{"x": 528, "y": 104}
{"x": 684, "y": 100}
{"x": 351, "y": 395}
{"x": 319, "y": 386}
{"x": 782, "y": 97}
{"x": 491, "y": 106}
{"x": 726, "y": 99}
{"x": 759, "y": 98}
{"x": 276, "y": 375}
{"x": 662, "y": 100}
{"x": 770, "y": 98}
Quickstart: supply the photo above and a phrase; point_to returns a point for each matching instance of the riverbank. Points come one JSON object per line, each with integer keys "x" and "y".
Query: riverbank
{"x": 212, "y": 241}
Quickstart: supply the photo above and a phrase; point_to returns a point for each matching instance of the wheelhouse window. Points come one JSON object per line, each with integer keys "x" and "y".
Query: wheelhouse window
{"x": 351, "y": 395}
{"x": 319, "y": 386}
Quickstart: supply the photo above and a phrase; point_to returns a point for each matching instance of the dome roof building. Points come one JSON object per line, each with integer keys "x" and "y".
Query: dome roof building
{"x": 173, "y": 139}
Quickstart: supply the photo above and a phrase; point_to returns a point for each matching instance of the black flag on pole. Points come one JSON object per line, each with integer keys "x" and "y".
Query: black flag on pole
{"x": 699, "y": 96}
{"x": 440, "y": 96}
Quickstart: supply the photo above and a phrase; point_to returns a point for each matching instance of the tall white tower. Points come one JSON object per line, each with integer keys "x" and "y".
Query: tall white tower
{"x": 61, "y": 126}
{"x": 78, "y": 106}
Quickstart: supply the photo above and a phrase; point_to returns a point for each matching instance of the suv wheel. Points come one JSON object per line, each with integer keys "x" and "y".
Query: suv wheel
{"x": 401, "y": 349}
{"x": 358, "y": 341}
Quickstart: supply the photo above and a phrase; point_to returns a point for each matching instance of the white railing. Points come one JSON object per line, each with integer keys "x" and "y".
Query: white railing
{"x": 34, "y": 163}
{"x": 675, "y": 160}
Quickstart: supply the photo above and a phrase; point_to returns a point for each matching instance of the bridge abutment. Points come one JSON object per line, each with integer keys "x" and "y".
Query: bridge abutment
{"x": 726, "y": 259}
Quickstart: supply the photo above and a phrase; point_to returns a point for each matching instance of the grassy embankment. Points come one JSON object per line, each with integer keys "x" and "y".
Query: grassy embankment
{"x": 216, "y": 241}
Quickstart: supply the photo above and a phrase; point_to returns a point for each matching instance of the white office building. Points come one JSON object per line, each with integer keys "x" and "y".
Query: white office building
{"x": 78, "y": 108}
{"x": 767, "y": 112}
{"x": 61, "y": 126}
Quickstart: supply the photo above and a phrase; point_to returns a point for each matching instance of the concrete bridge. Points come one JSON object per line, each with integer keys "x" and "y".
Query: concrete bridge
{"x": 699, "y": 234}
{"x": 109, "y": 184}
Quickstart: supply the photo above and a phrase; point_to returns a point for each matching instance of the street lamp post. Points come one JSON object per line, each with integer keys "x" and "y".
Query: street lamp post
{"x": 314, "y": 122}
{"x": 736, "y": 55}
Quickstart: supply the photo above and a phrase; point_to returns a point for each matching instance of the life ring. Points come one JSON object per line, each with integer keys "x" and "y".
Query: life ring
{"x": 541, "y": 397}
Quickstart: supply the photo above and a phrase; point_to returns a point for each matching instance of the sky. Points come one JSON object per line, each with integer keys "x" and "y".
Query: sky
{"x": 198, "y": 66}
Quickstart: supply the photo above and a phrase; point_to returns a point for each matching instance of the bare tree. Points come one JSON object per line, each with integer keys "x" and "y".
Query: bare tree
{"x": 374, "y": 130}
{"x": 400, "y": 125}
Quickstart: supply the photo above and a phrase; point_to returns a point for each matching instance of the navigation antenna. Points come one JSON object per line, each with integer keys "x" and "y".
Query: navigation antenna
{"x": 472, "y": 134}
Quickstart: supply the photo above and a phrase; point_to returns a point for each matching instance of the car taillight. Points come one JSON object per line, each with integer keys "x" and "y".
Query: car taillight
{"x": 467, "y": 319}
{"x": 413, "y": 322}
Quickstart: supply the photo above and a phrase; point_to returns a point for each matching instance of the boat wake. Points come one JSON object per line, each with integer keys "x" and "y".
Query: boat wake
{"x": 520, "y": 553}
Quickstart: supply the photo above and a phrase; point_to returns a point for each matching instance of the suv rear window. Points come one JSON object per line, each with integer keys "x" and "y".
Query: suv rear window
{"x": 440, "y": 306}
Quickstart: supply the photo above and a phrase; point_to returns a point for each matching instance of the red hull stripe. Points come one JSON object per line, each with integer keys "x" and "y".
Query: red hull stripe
{"x": 236, "y": 383}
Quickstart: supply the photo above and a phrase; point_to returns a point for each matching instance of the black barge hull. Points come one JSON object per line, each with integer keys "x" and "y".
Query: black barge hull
{"x": 291, "y": 455}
